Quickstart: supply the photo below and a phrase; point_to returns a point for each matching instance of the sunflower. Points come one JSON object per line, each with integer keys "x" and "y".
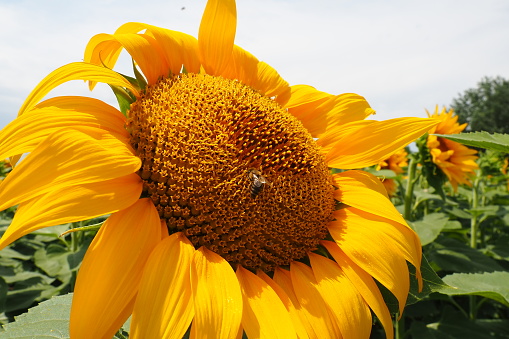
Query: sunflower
{"x": 394, "y": 163}
{"x": 225, "y": 217}
{"x": 455, "y": 160}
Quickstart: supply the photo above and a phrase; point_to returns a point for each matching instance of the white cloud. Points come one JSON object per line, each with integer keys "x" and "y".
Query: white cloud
{"x": 402, "y": 55}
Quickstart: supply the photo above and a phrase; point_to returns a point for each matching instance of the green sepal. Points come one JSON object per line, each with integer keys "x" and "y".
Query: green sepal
{"x": 124, "y": 98}
{"x": 140, "y": 79}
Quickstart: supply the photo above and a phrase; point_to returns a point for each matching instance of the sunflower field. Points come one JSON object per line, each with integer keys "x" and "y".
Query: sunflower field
{"x": 219, "y": 201}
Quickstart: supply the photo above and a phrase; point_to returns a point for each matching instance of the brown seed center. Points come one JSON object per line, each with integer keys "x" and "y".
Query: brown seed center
{"x": 231, "y": 169}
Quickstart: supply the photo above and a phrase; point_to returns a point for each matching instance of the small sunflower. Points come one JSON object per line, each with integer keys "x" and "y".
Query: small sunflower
{"x": 455, "y": 160}
{"x": 394, "y": 163}
{"x": 223, "y": 209}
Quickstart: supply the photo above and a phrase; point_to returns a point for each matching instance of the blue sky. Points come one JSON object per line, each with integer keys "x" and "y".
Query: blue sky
{"x": 402, "y": 55}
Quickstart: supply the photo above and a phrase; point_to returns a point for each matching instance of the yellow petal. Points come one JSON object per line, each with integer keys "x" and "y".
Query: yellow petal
{"x": 263, "y": 315}
{"x": 73, "y": 203}
{"x": 271, "y": 84}
{"x": 283, "y": 279}
{"x": 366, "y": 192}
{"x": 364, "y": 284}
{"x": 243, "y": 66}
{"x": 371, "y": 143}
{"x": 335, "y": 113}
{"x": 23, "y": 134}
{"x": 318, "y": 313}
{"x": 373, "y": 251}
{"x": 164, "y": 305}
{"x": 217, "y": 296}
{"x": 74, "y": 71}
{"x": 102, "y": 50}
{"x": 179, "y": 48}
{"x": 404, "y": 238}
{"x": 345, "y": 302}
{"x": 111, "y": 271}
{"x": 216, "y": 35}
{"x": 66, "y": 158}
{"x": 285, "y": 299}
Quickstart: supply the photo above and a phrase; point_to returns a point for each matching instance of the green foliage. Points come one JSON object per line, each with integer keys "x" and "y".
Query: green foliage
{"x": 492, "y": 285}
{"x": 50, "y": 319}
{"x": 496, "y": 142}
{"x": 485, "y": 108}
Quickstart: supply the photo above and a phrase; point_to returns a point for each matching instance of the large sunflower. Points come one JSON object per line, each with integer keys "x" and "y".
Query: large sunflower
{"x": 455, "y": 160}
{"x": 224, "y": 214}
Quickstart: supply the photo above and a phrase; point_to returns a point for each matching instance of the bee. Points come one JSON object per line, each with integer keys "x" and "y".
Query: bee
{"x": 258, "y": 182}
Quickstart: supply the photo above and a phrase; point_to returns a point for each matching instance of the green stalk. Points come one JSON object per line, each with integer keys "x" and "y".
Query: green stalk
{"x": 474, "y": 228}
{"x": 409, "y": 192}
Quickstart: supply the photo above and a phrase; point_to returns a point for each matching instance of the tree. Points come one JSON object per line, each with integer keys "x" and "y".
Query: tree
{"x": 485, "y": 108}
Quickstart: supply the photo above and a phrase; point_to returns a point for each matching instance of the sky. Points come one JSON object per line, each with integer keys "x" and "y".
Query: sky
{"x": 403, "y": 56}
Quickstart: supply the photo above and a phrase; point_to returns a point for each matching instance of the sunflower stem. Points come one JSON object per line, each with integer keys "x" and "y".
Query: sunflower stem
{"x": 474, "y": 225}
{"x": 399, "y": 328}
{"x": 409, "y": 192}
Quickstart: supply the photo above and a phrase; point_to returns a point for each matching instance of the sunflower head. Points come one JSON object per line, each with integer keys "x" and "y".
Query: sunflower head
{"x": 454, "y": 160}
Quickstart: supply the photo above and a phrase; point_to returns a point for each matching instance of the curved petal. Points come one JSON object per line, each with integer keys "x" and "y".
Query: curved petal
{"x": 263, "y": 315}
{"x": 73, "y": 203}
{"x": 217, "y": 296}
{"x": 23, "y": 134}
{"x": 146, "y": 53}
{"x": 364, "y": 284}
{"x": 74, "y": 71}
{"x": 403, "y": 238}
{"x": 164, "y": 307}
{"x": 371, "y": 143}
{"x": 111, "y": 271}
{"x": 243, "y": 66}
{"x": 217, "y": 34}
{"x": 345, "y": 302}
{"x": 271, "y": 84}
{"x": 179, "y": 48}
{"x": 366, "y": 192}
{"x": 102, "y": 50}
{"x": 66, "y": 158}
{"x": 297, "y": 324}
{"x": 335, "y": 112}
{"x": 306, "y": 289}
{"x": 373, "y": 252}
{"x": 283, "y": 279}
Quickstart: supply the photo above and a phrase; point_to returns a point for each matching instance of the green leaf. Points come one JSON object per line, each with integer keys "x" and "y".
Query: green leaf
{"x": 493, "y": 285}
{"x": 452, "y": 255}
{"x": 430, "y": 226}
{"x": 495, "y": 141}
{"x": 50, "y": 319}
{"x": 431, "y": 283}
{"x": 3, "y": 294}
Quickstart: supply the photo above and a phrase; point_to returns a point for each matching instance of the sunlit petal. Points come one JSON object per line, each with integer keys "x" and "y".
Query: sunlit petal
{"x": 318, "y": 313}
{"x": 364, "y": 284}
{"x": 111, "y": 271}
{"x": 74, "y": 71}
{"x": 217, "y": 34}
{"x": 75, "y": 158}
{"x": 217, "y": 296}
{"x": 362, "y": 147}
{"x": 73, "y": 203}
{"x": 345, "y": 302}
{"x": 263, "y": 315}
{"x": 164, "y": 305}
{"x": 374, "y": 253}
{"x": 23, "y": 134}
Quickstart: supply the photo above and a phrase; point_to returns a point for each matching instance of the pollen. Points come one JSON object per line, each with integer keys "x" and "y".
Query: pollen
{"x": 231, "y": 169}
